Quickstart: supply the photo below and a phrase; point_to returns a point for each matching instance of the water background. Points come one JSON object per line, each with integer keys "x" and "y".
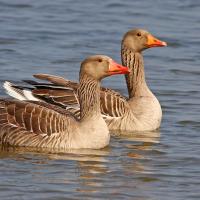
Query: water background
{"x": 54, "y": 37}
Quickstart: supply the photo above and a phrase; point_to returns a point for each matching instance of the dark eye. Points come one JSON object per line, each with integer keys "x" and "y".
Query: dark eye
{"x": 139, "y": 34}
{"x": 100, "y": 60}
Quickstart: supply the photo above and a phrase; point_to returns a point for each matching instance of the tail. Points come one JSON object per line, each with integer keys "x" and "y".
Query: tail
{"x": 18, "y": 92}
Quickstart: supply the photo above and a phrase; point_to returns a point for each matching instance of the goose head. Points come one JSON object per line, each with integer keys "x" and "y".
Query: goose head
{"x": 100, "y": 66}
{"x": 139, "y": 40}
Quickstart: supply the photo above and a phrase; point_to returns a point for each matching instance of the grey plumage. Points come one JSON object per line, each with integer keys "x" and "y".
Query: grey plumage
{"x": 48, "y": 125}
{"x": 141, "y": 111}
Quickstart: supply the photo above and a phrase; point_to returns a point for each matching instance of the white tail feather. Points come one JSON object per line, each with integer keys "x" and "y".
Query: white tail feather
{"x": 18, "y": 93}
{"x": 28, "y": 94}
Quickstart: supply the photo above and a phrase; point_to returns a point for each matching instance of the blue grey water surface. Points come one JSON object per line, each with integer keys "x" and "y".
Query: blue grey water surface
{"x": 54, "y": 37}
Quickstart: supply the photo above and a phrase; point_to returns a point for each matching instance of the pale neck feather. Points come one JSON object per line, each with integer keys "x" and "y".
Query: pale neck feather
{"x": 89, "y": 97}
{"x": 135, "y": 80}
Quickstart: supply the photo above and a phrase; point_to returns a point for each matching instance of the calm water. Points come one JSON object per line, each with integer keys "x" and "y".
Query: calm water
{"x": 53, "y": 37}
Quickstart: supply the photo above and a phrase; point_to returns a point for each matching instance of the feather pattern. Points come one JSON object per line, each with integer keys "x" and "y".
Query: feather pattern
{"x": 112, "y": 103}
{"x": 48, "y": 125}
{"x": 140, "y": 112}
{"x": 40, "y": 124}
{"x": 27, "y": 124}
{"x": 136, "y": 79}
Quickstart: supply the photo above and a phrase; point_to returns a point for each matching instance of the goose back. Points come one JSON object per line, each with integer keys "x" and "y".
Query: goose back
{"x": 28, "y": 124}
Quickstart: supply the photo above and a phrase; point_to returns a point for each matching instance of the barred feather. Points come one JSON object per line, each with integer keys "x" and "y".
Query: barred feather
{"x": 64, "y": 93}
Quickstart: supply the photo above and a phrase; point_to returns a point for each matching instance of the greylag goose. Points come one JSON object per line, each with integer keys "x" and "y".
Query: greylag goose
{"x": 140, "y": 112}
{"x": 39, "y": 124}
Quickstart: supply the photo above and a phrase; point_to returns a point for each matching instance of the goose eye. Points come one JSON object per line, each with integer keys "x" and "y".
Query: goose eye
{"x": 139, "y": 34}
{"x": 100, "y": 60}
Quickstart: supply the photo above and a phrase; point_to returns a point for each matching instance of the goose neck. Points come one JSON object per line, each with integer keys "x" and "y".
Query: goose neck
{"x": 89, "y": 97}
{"x": 135, "y": 80}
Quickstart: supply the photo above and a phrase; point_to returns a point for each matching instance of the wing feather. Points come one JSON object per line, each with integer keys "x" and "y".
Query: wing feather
{"x": 21, "y": 118}
{"x": 63, "y": 93}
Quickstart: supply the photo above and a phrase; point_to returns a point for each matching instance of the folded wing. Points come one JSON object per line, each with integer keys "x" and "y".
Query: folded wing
{"x": 63, "y": 93}
{"x": 28, "y": 124}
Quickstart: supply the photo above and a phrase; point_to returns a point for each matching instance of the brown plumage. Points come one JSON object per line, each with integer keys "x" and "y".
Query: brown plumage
{"x": 39, "y": 124}
{"x": 140, "y": 112}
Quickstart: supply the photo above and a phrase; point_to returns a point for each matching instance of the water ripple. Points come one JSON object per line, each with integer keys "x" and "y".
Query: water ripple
{"x": 54, "y": 36}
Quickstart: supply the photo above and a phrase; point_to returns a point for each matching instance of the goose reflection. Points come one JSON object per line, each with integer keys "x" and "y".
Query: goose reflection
{"x": 145, "y": 136}
{"x": 128, "y": 158}
{"x": 92, "y": 167}
{"x": 137, "y": 147}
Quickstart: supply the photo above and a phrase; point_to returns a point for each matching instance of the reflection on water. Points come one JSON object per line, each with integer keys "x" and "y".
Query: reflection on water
{"x": 146, "y": 136}
{"x": 92, "y": 167}
{"x": 53, "y": 37}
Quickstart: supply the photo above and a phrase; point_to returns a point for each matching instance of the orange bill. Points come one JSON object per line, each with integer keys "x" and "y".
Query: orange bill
{"x": 116, "y": 68}
{"x": 154, "y": 42}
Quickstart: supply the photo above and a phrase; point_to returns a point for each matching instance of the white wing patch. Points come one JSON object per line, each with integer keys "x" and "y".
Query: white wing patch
{"x": 17, "y": 93}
